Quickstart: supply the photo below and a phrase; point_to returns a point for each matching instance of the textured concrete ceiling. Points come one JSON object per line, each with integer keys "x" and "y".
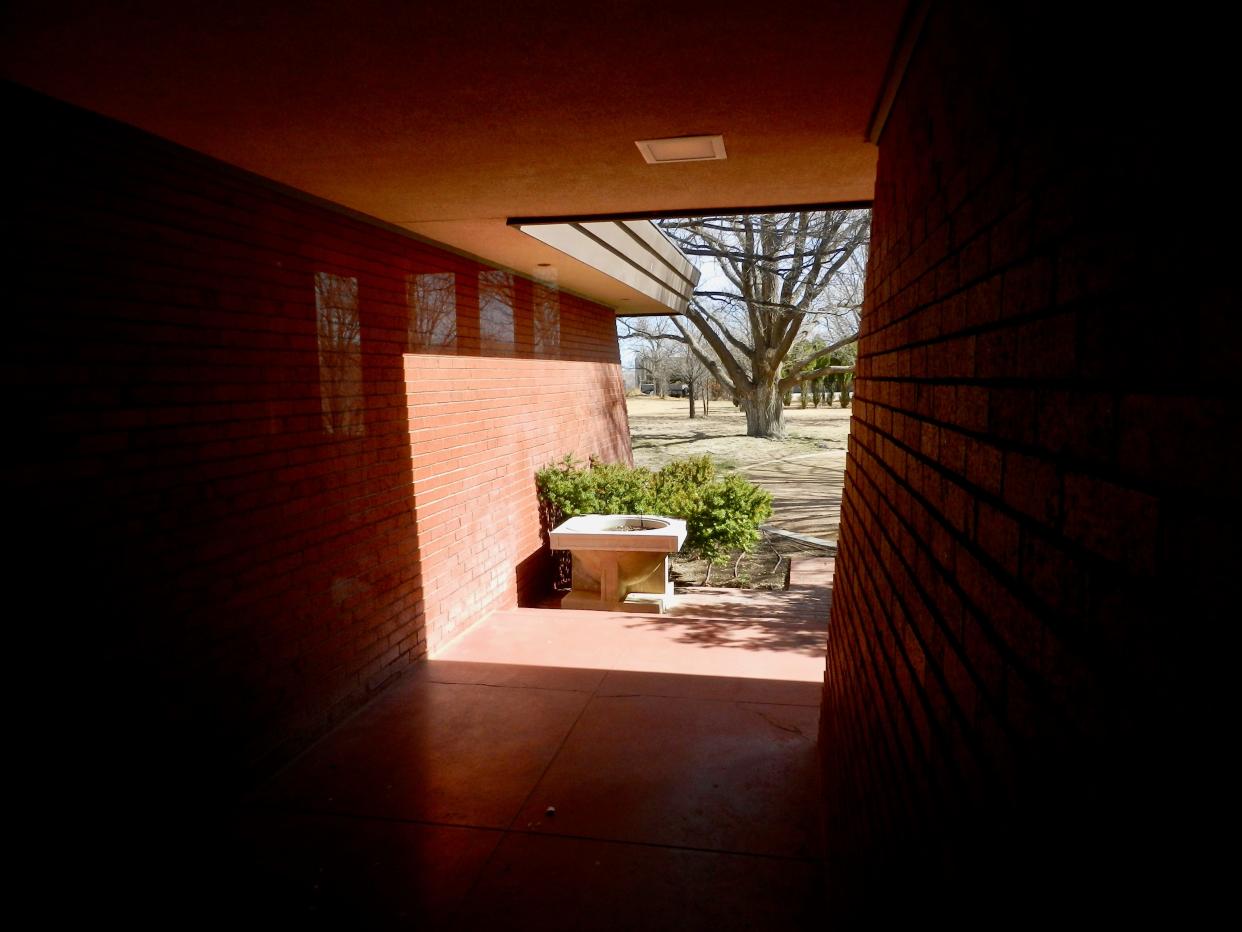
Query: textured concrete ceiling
{"x": 449, "y": 118}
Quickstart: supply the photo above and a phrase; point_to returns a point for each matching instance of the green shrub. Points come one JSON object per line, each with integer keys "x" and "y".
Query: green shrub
{"x": 722, "y": 515}
{"x": 727, "y": 518}
{"x": 693, "y": 470}
{"x": 600, "y": 489}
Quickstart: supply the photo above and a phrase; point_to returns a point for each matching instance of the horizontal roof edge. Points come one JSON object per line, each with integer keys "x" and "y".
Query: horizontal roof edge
{"x": 639, "y": 256}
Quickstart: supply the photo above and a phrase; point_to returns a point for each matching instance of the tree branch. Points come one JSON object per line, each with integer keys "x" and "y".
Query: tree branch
{"x": 787, "y": 338}
{"x": 639, "y": 335}
{"x": 736, "y": 372}
{"x": 737, "y": 298}
{"x": 636, "y": 334}
{"x": 790, "y": 381}
{"x": 745, "y": 348}
{"x": 807, "y": 358}
{"x": 708, "y": 363}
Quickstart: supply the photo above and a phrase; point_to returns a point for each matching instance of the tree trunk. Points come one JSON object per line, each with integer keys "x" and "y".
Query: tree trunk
{"x": 765, "y": 414}
{"x": 690, "y": 392}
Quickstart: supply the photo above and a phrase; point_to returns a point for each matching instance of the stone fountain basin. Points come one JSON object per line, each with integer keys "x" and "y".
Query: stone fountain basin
{"x": 652, "y": 533}
{"x": 635, "y": 544}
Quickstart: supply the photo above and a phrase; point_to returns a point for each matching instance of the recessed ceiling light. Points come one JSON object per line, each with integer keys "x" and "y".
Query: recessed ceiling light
{"x": 682, "y": 149}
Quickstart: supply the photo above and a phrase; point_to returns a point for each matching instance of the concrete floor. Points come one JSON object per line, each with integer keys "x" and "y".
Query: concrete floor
{"x": 568, "y": 770}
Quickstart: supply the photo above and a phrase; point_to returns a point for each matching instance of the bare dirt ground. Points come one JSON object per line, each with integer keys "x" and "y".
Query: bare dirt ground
{"x": 804, "y": 473}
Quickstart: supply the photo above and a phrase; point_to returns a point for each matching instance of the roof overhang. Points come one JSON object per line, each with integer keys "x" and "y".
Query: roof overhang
{"x": 447, "y": 120}
{"x": 633, "y": 252}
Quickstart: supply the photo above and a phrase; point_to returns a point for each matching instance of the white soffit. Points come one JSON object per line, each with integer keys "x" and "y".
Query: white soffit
{"x": 634, "y": 252}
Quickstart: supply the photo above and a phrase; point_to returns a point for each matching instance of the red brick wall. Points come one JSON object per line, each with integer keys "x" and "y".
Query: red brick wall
{"x": 1038, "y": 513}
{"x": 235, "y": 549}
{"x": 482, "y": 545}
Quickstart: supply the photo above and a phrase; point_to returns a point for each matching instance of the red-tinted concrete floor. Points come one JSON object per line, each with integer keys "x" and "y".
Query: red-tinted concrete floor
{"x": 677, "y": 751}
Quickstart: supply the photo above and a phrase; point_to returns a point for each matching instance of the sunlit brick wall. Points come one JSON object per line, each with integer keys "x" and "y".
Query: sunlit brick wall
{"x": 482, "y": 545}
{"x": 1038, "y": 517}
{"x": 266, "y": 452}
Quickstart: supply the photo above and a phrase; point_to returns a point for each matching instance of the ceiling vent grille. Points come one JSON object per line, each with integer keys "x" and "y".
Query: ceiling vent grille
{"x": 682, "y": 149}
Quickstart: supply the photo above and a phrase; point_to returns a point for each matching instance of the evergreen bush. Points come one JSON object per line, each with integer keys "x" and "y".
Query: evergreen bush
{"x": 722, "y": 515}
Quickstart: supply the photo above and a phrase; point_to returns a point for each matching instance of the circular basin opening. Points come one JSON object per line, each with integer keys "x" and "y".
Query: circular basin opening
{"x": 637, "y": 524}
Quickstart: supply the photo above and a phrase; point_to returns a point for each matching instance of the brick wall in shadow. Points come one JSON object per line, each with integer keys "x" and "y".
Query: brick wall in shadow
{"x": 1035, "y": 525}
{"x": 216, "y": 468}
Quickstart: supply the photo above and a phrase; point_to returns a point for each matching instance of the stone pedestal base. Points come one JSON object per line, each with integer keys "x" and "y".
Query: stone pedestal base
{"x": 620, "y": 562}
{"x": 655, "y": 602}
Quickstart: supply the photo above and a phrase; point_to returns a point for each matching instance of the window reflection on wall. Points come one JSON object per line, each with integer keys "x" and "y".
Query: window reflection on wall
{"x": 547, "y": 302}
{"x": 340, "y": 353}
{"x": 496, "y": 312}
{"x": 432, "y": 302}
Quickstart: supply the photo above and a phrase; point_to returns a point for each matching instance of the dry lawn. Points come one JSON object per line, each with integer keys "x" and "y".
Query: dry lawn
{"x": 804, "y": 473}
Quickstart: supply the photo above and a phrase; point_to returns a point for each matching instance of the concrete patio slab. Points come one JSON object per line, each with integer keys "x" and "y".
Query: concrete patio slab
{"x": 693, "y": 773}
{"x": 558, "y": 884}
{"x": 567, "y": 770}
{"x": 440, "y": 752}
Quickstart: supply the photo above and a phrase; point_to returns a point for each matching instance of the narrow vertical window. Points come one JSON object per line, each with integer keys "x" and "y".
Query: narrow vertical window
{"x": 547, "y": 301}
{"x": 432, "y": 302}
{"x": 340, "y": 354}
{"x": 496, "y": 312}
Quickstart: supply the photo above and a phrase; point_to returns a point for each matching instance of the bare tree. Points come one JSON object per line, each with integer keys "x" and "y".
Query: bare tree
{"x": 689, "y": 369}
{"x": 658, "y": 356}
{"x": 340, "y": 354}
{"x": 432, "y": 301}
{"x": 769, "y": 281}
